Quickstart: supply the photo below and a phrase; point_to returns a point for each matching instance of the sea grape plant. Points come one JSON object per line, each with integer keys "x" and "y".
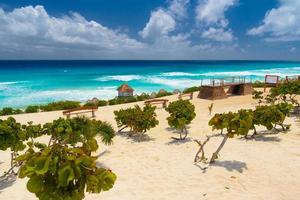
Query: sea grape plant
{"x": 138, "y": 120}
{"x": 182, "y": 112}
{"x": 13, "y": 135}
{"x": 236, "y": 124}
{"x": 65, "y": 168}
{"x": 242, "y": 122}
{"x": 287, "y": 92}
{"x": 258, "y": 95}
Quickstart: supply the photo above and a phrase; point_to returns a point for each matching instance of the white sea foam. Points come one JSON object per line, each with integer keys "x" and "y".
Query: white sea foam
{"x": 10, "y": 82}
{"x": 175, "y": 83}
{"x": 178, "y": 74}
{"x": 119, "y": 78}
{"x": 28, "y": 97}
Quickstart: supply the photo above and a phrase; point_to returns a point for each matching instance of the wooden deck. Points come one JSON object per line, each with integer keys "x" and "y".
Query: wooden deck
{"x": 216, "y": 89}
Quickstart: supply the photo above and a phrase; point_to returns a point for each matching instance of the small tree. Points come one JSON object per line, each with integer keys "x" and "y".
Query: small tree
{"x": 137, "y": 119}
{"x": 182, "y": 112}
{"x": 13, "y": 135}
{"x": 65, "y": 168}
{"x": 239, "y": 123}
{"x": 258, "y": 95}
{"x": 210, "y": 108}
{"x": 271, "y": 116}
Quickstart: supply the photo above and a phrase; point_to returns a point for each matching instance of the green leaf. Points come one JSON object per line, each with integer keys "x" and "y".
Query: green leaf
{"x": 42, "y": 165}
{"x": 65, "y": 175}
{"x": 92, "y": 144}
{"x": 35, "y": 184}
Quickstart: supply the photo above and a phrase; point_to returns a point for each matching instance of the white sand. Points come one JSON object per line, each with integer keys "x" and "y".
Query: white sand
{"x": 267, "y": 168}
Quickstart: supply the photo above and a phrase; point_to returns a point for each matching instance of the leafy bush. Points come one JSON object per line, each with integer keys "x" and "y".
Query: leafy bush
{"x": 191, "y": 89}
{"x": 137, "y": 119}
{"x": 60, "y": 105}
{"x": 65, "y": 168}
{"x": 10, "y": 111}
{"x": 287, "y": 91}
{"x": 239, "y": 123}
{"x": 182, "y": 112}
{"x": 32, "y": 109}
{"x": 13, "y": 135}
{"x": 163, "y": 94}
{"x": 143, "y": 97}
{"x": 258, "y": 95}
{"x": 270, "y": 116}
{"x": 89, "y": 104}
{"x": 102, "y": 103}
{"x": 258, "y": 84}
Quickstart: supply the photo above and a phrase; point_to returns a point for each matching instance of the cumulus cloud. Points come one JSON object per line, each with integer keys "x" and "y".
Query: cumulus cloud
{"x": 218, "y": 34}
{"x": 178, "y": 8}
{"x": 213, "y": 11}
{"x": 164, "y": 21}
{"x": 161, "y": 23}
{"x": 210, "y": 14}
{"x": 31, "y": 33}
{"x": 32, "y": 27}
{"x": 280, "y": 24}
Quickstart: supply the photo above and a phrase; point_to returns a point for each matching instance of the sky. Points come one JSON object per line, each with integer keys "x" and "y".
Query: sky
{"x": 150, "y": 29}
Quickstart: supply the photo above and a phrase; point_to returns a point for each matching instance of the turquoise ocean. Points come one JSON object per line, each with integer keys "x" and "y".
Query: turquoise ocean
{"x": 25, "y": 83}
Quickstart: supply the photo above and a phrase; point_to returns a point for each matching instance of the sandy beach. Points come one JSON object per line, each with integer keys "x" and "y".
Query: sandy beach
{"x": 160, "y": 168}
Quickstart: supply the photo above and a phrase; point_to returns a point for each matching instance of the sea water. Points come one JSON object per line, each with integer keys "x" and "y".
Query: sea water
{"x": 25, "y": 83}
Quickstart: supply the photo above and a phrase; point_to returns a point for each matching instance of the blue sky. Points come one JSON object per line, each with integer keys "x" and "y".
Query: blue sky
{"x": 144, "y": 29}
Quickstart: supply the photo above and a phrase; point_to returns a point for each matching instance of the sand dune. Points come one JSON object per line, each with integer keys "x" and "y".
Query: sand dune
{"x": 161, "y": 169}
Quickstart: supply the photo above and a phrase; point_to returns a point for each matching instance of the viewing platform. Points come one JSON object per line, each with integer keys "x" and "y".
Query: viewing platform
{"x": 234, "y": 85}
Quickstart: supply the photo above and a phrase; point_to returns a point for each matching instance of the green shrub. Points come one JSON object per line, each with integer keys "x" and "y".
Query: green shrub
{"x": 137, "y": 119}
{"x": 7, "y": 111}
{"x": 32, "y": 109}
{"x": 258, "y": 84}
{"x": 60, "y": 105}
{"x": 258, "y": 95}
{"x": 89, "y": 104}
{"x": 191, "y": 89}
{"x": 239, "y": 123}
{"x": 143, "y": 97}
{"x": 10, "y": 111}
{"x": 65, "y": 169}
{"x": 102, "y": 103}
{"x": 158, "y": 95}
{"x": 182, "y": 112}
{"x": 13, "y": 135}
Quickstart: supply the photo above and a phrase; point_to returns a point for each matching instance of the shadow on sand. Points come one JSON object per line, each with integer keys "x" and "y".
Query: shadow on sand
{"x": 179, "y": 142}
{"x": 231, "y": 165}
{"x": 135, "y": 137}
{"x": 7, "y": 181}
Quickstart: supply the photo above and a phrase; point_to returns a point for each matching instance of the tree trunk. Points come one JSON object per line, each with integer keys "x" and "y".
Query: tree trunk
{"x": 185, "y": 133}
{"x": 122, "y": 128}
{"x": 215, "y": 155}
{"x": 201, "y": 150}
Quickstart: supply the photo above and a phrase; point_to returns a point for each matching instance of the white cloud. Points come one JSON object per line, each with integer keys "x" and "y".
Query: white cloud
{"x": 212, "y": 12}
{"x": 293, "y": 49}
{"x": 32, "y": 27}
{"x": 31, "y": 33}
{"x": 280, "y": 24}
{"x": 218, "y": 34}
{"x": 178, "y": 8}
{"x": 161, "y": 23}
{"x": 210, "y": 16}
